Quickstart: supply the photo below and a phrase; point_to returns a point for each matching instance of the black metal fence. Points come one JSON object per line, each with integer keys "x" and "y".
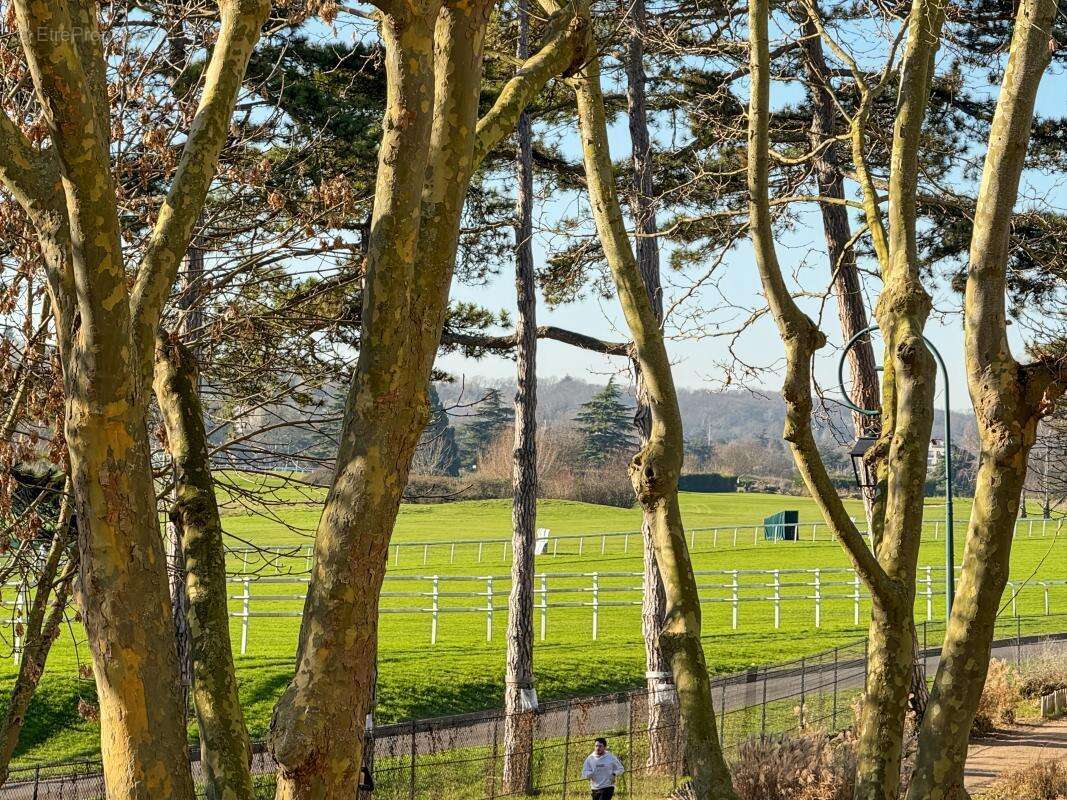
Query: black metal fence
{"x": 463, "y": 757}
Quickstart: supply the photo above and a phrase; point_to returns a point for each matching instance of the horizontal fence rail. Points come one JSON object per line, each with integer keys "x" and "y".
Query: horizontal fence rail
{"x": 462, "y": 757}
{"x": 751, "y": 599}
{"x": 763, "y": 592}
{"x": 298, "y": 556}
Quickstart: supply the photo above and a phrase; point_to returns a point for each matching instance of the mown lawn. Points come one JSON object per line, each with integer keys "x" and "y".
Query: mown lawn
{"x": 463, "y": 671}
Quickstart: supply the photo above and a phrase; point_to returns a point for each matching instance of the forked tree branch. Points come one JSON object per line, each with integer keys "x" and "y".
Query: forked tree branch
{"x": 239, "y": 30}
{"x": 800, "y": 335}
{"x": 566, "y": 45}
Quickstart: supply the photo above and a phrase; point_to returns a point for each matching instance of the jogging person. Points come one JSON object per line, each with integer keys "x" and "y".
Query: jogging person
{"x": 601, "y": 768}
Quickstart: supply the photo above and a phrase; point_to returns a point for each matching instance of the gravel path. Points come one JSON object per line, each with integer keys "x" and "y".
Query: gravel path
{"x": 1011, "y": 748}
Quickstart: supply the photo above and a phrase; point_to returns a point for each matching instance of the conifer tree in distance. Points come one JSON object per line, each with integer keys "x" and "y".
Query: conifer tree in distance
{"x": 605, "y": 423}
{"x": 493, "y": 418}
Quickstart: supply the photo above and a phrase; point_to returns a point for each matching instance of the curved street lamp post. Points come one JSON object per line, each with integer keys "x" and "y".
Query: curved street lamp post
{"x": 950, "y": 555}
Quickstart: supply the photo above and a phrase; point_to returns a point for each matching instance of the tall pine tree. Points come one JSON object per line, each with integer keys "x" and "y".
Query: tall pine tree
{"x": 605, "y": 423}
{"x": 437, "y": 452}
{"x": 493, "y": 418}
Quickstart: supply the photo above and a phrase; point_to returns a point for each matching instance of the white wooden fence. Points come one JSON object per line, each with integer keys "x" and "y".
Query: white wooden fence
{"x": 286, "y": 557}
{"x": 569, "y": 590}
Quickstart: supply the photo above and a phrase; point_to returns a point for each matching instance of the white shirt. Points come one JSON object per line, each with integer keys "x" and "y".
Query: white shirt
{"x": 601, "y": 769}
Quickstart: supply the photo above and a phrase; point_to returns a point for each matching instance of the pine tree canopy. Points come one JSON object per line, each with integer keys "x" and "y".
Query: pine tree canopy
{"x": 606, "y": 426}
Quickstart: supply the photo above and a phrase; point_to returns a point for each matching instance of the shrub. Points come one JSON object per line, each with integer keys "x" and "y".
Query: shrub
{"x": 707, "y": 482}
{"x": 608, "y": 485}
{"x": 811, "y": 766}
{"x": 1045, "y": 780}
{"x": 1000, "y": 696}
{"x": 1044, "y": 674}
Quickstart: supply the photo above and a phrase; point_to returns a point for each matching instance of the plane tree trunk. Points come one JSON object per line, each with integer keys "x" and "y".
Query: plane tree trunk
{"x": 656, "y": 468}
{"x": 889, "y": 568}
{"x": 106, "y": 334}
{"x": 432, "y": 143}
{"x": 1009, "y": 400}
{"x": 224, "y": 745}
{"x": 662, "y": 699}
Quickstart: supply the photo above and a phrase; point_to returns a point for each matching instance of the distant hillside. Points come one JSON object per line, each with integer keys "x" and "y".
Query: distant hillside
{"x": 707, "y": 416}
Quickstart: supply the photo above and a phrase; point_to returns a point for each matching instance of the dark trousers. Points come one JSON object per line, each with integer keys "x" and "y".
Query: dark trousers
{"x": 604, "y": 794}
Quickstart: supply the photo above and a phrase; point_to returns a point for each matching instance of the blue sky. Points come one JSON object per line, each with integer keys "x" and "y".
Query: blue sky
{"x": 697, "y": 361}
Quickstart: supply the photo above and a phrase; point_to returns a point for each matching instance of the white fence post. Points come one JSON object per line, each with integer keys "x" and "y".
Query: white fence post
{"x": 929, "y": 593}
{"x": 434, "y": 608}
{"x": 245, "y": 607}
{"x": 544, "y": 605}
{"x": 818, "y": 599}
{"x": 735, "y": 537}
{"x": 734, "y": 598}
{"x": 1045, "y": 585}
{"x": 425, "y": 554}
{"x": 20, "y": 603}
{"x": 480, "y": 546}
{"x": 452, "y": 555}
{"x": 581, "y": 545}
{"x": 396, "y": 556}
{"x": 715, "y": 538}
{"x": 855, "y": 598}
{"x": 489, "y": 609}
{"x": 777, "y": 599}
{"x": 626, "y": 544}
{"x": 596, "y": 605}
{"x": 937, "y": 528}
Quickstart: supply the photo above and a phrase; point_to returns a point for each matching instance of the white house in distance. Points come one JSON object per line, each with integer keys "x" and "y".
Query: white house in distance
{"x": 936, "y": 452}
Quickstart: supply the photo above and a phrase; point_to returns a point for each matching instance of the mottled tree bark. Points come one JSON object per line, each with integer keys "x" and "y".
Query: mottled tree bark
{"x": 107, "y": 336}
{"x": 432, "y": 142}
{"x": 190, "y": 321}
{"x": 662, "y": 699}
{"x": 519, "y": 679}
{"x": 1009, "y": 400}
{"x": 224, "y": 745}
{"x": 317, "y": 728}
{"x": 656, "y": 468}
{"x": 847, "y": 287}
{"x": 888, "y": 570}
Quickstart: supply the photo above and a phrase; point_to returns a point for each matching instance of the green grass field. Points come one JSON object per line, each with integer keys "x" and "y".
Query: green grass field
{"x": 463, "y": 671}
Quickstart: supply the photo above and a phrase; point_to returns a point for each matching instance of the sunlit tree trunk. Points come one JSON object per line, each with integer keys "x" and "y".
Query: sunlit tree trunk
{"x": 432, "y": 142}
{"x": 662, "y": 700}
{"x": 1009, "y": 400}
{"x": 107, "y": 352}
{"x": 847, "y": 287}
{"x": 190, "y": 322}
{"x": 888, "y": 569}
{"x": 224, "y": 744}
{"x": 655, "y": 470}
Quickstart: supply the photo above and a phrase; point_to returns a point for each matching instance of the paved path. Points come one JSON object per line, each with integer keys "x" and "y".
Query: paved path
{"x": 1011, "y": 748}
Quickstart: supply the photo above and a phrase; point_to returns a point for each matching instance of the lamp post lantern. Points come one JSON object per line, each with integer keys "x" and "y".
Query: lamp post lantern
{"x": 864, "y": 443}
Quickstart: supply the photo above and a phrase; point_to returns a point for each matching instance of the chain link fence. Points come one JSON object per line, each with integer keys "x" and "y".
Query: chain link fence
{"x": 464, "y": 757}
